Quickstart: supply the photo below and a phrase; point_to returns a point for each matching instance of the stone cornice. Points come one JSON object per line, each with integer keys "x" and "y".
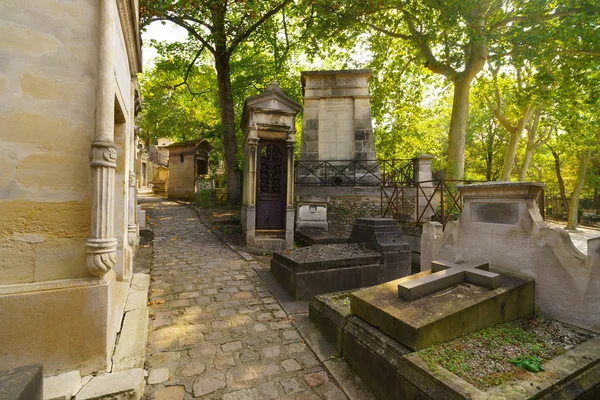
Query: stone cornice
{"x": 129, "y": 17}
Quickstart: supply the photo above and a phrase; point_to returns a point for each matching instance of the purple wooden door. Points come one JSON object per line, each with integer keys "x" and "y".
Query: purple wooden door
{"x": 271, "y": 185}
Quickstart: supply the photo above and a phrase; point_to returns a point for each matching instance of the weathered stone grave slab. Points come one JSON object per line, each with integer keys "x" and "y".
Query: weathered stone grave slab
{"x": 444, "y": 315}
{"x": 307, "y": 271}
{"x": 392, "y": 370}
{"x": 445, "y": 275}
{"x": 309, "y": 237}
{"x": 500, "y": 224}
{"x": 313, "y": 270}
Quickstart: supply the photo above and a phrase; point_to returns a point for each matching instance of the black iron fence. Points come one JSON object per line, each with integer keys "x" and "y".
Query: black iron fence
{"x": 354, "y": 173}
{"x": 434, "y": 200}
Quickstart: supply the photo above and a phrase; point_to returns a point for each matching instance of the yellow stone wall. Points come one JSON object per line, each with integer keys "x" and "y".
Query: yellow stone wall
{"x": 48, "y": 57}
{"x": 51, "y": 310}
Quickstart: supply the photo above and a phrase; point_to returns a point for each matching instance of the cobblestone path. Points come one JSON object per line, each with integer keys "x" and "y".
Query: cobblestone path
{"x": 216, "y": 331}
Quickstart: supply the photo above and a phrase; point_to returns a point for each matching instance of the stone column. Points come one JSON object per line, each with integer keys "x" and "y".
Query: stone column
{"x": 101, "y": 245}
{"x": 249, "y": 193}
{"x": 133, "y": 223}
{"x": 422, "y": 171}
{"x": 289, "y": 202}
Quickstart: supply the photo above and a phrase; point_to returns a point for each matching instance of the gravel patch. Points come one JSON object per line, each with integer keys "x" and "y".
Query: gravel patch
{"x": 483, "y": 358}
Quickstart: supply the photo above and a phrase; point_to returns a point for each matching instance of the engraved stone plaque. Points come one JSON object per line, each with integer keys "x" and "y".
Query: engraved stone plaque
{"x": 495, "y": 213}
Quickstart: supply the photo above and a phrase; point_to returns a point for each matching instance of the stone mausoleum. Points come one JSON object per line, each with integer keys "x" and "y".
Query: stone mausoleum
{"x": 188, "y": 164}
{"x": 269, "y": 126}
{"x": 68, "y": 228}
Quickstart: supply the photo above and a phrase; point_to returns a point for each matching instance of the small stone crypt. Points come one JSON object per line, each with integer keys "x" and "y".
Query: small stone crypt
{"x": 269, "y": 126}
{"x": 483, "y": 277}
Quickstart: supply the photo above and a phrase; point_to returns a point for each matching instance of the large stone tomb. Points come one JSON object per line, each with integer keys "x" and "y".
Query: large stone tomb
{"x": 445, "y": 314}
{"x": 308, "y": 271}
{"x": 500, "y": 225}
{"x": 394, "y": 371}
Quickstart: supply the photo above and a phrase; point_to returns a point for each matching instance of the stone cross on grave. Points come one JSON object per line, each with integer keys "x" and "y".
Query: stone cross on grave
{"x": 446, "y": 274}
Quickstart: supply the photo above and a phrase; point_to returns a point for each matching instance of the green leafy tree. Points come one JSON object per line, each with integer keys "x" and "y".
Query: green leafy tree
{"x": 453, "y": 38}
{"x": 220, "y": 27}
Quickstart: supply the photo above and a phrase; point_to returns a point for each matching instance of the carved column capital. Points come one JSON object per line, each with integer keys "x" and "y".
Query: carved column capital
{"x": 101, "y": 255}
{"x": 101, "y": 246}
{"x": 132, "y": 179}
{"x": 103, "y": 154}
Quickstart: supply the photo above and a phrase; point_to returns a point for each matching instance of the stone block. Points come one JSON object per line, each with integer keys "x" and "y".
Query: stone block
{"x": 66, "y": 324}
{"x": 130, "y": 351}
{"x": 22, "y": 383}
{"x": 311, "y": 124}
{"x": 124, "y": 385}
{"x": 62, "y": 387}
{"x": 17, "y": 262}
{"x": 437, "y": 318}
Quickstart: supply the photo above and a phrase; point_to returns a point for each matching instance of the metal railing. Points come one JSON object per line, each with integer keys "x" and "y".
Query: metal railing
{"x": 354, "y": 172}
{"x": 435, "y": 200}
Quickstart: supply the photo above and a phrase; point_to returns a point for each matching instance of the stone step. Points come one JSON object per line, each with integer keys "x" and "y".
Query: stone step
{"x": 130, "y": 350}
{"x": 126, "y": 385}
{"x": 63, "y": 386}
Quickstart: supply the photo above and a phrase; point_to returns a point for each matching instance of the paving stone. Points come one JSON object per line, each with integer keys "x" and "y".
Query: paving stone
{"x": 316, "y": 379}
{"x": 193, "y": 368}
{"x": 291, "y": 336}
{"x": 296, "y": 348}
{"x": 292, "y": 386}
{"x": 224, "y": 362}
{"x": 244, "y": 374}
{"x": 158, "y": 375}
{"x": 169, "y": 393}
{"x": 243, "y": 394}
{"x": 271, "y": 352}
{"x": 164, "y": 358}
{"x": 208, "y": 384}
{"x": 271, "y": 369}
{"x": 268, "y": 390}
{"x": 291, "y": 365}
{"x": 248, "y": 356}
{"x": 308, "y": 361}
{"x": 231, "y": 346}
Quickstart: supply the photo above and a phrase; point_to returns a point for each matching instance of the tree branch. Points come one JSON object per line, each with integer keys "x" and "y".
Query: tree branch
{"x": 192, "y": 31}
{"x": 244, "y": 35}
{"x": 388, "y": 32}
{"x": 521, "y": 18}
{"x": 430, "y": 61}
{"x": 187, "y": 73}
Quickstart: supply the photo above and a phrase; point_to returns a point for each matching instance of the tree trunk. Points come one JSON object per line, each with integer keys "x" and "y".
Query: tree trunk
{"x": 455, "y": 168}
{"x": 489, "y": 153}
{"x": 511, "y": 150}
{"x": 228, "y": 128}
{"x": 561, "y": 183}
{"x": 509, "y": 157}
{"x": 574, "y": 205}
{"x": 526, "y": 161}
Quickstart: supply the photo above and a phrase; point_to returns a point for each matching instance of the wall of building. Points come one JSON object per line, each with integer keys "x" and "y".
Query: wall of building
{"x": 51, "y": 309}
{"x": 182, "y": 177}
